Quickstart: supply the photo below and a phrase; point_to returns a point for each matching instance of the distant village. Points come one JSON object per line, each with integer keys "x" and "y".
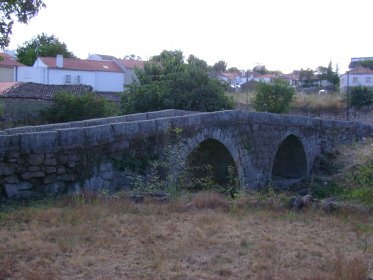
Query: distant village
{"x": 108, "y": 74}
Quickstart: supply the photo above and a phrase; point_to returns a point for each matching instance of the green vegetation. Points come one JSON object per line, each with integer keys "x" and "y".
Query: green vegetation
{"x": 273, "y": 98}
{"x": 20, "y": 9}
{"x": 42, "y": 45}
{"x": 168, "y": 82}
{"x": 70, "y": 107}
{"x": 360, "y": 96}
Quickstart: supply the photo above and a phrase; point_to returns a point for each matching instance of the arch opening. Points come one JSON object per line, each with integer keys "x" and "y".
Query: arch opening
{"x": 290, "y": 162}
{"x": 211, "y": 166}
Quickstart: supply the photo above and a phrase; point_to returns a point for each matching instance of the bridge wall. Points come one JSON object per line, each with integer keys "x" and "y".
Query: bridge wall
{"x": 112, "y": 153}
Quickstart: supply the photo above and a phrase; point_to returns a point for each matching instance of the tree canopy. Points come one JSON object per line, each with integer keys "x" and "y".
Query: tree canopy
{"x": 22, "y": 10}
{"x": 366, "y": 63}
{"x": 44, "y": 45}
{"x": 220, "y": 66}
{"x": 167, "y": 82}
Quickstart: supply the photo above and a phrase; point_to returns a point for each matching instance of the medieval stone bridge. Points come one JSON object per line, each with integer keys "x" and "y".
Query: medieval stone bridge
{"x": 106, "y": 153}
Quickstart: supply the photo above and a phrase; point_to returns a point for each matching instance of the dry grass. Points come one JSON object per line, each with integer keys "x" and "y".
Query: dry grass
{"x": 320, "y": 104}
{"x": 196, "y": 237}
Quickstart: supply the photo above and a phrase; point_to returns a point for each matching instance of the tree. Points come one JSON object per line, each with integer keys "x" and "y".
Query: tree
{"x": 305, "y": 76}
{"x": 22, "y": 10}
{"x": 168, "y": 82}
{"x": 195, "y": 61}
{"x": 220, "y": 66}
{"x": 42, "y": 45}
{"x": 273, "y": 98}
{"x": 233, "y": 70}
{"x": 260, "y": 69}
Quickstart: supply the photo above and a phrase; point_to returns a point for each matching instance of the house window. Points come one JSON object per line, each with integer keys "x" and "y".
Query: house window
{"x": 368, "y": 80}
{"x": 68, "y": 79}
{"x": 78, "y": 79}
{"x": 354, "y": 80}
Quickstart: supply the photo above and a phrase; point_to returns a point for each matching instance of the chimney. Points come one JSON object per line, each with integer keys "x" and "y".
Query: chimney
{"x": 59, "y": 61}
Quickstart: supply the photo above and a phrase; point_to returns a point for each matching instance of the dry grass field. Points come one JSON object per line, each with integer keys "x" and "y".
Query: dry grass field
{"x": 202, "y": 236}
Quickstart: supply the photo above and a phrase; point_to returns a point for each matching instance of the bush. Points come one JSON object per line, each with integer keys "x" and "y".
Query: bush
{"x": 273, "y": 98}
{"x": 168, "y": 82}
{"x": 71, "y": 107}
{"x": 360, "y": 96}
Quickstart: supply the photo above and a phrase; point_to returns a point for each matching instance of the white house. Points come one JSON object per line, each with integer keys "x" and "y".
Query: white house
{"x": 8, "y": 68}
{"x": 102, "y": 75}
{"x": 359, "y": 76}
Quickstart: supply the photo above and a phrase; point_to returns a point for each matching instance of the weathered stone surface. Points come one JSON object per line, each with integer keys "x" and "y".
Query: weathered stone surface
{"x": 50, "y": 161}
{"x": 24, "y": 186}
{"x": 6, "y": 169}
{"x": 36, "y": 159}
{"x": 11, "y": 190}
{"x": 55, "y": 188}
{"x": 50, "y": 179}
{"x": 11, "y": 179}
{"x": 46, "y": 155}
{"x": 50, "y": 169}
{"x": 29, "y": 175}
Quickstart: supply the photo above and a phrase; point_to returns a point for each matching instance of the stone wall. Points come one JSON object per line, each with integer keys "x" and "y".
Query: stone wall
{"x": 107, "y": 153}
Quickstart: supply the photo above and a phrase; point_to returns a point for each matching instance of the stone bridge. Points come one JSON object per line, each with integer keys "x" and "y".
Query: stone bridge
{"x": 107, "y": 153}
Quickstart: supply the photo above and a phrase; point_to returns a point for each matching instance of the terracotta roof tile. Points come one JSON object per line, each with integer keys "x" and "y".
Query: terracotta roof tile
{"x": 361, "y": 70}
{"x": 80, "y": 64}
{"x": 40, "y": 91}
{"x": 9, "y": 61}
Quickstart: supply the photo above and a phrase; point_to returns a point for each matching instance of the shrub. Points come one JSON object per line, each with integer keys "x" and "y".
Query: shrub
{"x": 273, "y": 98}
{"x": 360, "y": 96}
{"x": 168, "y": 82}
{"x": 70, "y": 107}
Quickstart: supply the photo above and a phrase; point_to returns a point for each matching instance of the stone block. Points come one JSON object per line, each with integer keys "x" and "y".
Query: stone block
{"x": 29, "y": 175}
{"x": 50, "y": 161}
{"x": 9, "y": 143}
{"x": 50, "y": 169}
{"x": 118, "y": 129}
{"x": 11, "y": 190}
{"x": 136, "y": 117}
{"x": 11, "y": 179}
{"x": 132, "y": 128}
{"x": 61, "y": 170}
{"x": 147, "y": 127}
{"x": 34, "y": 168}
{"x": 6, "y": 169}
{"x": 36, "y": 159}
{"x": 50, "y": 179}
{"x": 98, "y": 134}
{"x": 38, "y": 142}
{"x": 24, "y": 186}
{"x": 163, "y": 124}
{"x": 71, "y": 137}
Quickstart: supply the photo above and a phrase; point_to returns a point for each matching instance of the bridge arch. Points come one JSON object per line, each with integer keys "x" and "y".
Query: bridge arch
{"x": 211, "y": 139}
{"x": 290, "y": 159}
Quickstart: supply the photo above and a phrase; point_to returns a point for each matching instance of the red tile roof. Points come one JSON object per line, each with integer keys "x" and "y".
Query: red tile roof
{"x": 4, "y": 86}
{"x": 9, "y": 61}
{"x": 131, "y": 64}
{"x": 361, "y": 70}
{"x": 80, "y": 64}
{"x": 39, "y": 91}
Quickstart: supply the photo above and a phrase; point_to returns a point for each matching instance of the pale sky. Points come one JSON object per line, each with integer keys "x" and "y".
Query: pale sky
{"x": 283, "y": 35}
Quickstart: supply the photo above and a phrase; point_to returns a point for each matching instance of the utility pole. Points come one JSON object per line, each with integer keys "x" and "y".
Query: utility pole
{"x": 348, "y": 96}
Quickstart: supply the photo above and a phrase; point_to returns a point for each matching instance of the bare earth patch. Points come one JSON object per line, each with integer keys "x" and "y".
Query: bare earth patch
{"x": 200, "y": 237}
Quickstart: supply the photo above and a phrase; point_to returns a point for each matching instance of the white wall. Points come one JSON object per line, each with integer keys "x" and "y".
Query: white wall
{"x": 109, "y": 81}
{"x": 58, "y": 77}
{"x": 30, "y": 74}
{"x": 355, "y": 80}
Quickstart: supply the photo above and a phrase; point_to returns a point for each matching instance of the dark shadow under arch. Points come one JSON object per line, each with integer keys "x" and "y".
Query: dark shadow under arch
{"x": 290, "y": 161}
{"x": 214, "y": 154}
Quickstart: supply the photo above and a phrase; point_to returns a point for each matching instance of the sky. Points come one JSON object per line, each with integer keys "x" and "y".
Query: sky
{"x": 283, "y": 35}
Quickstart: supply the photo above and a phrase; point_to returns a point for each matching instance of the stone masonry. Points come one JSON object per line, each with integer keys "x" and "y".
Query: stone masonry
{"x": 104, "y": 154}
